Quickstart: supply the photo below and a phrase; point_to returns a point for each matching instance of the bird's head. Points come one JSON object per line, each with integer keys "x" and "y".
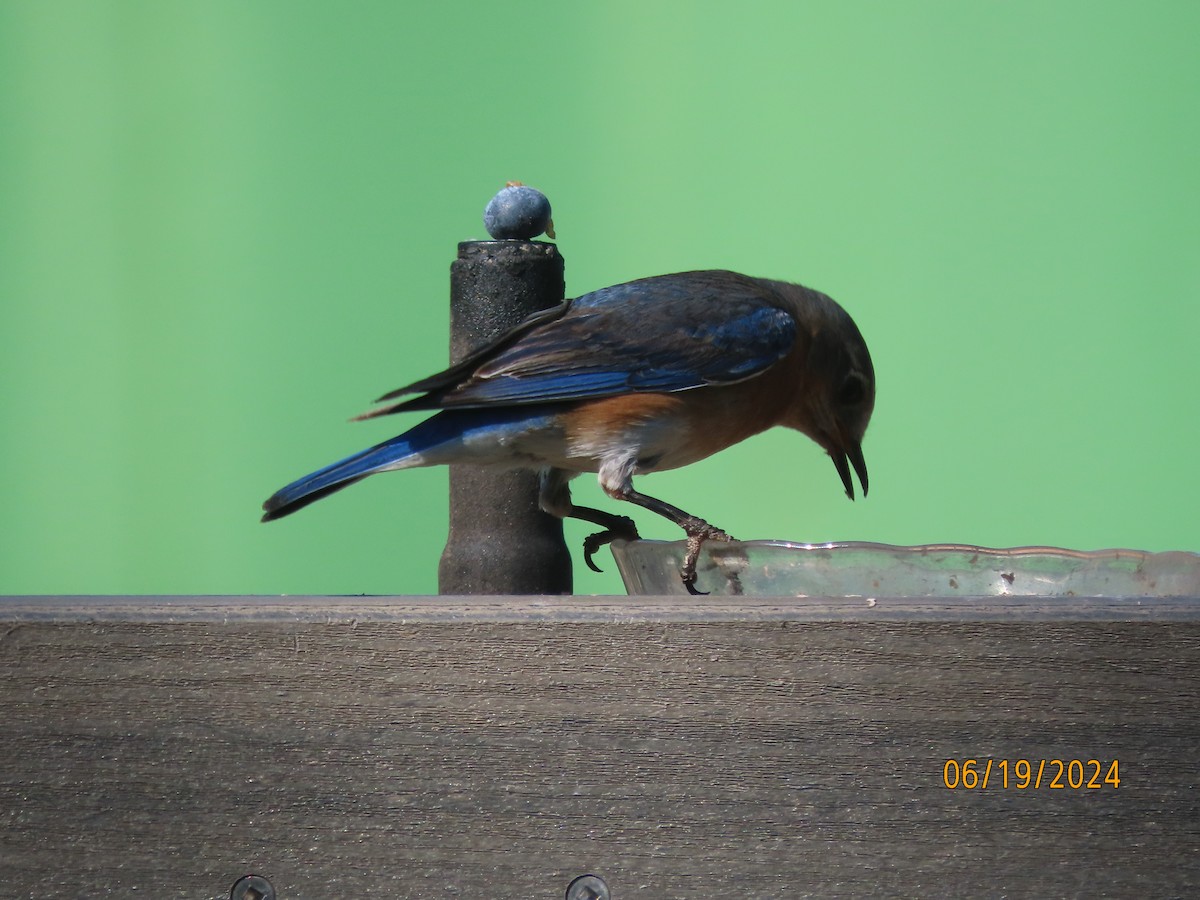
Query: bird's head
{"x": 839, "y": 393}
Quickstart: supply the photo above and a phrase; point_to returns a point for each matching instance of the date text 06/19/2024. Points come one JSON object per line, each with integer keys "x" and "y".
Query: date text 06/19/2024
{"x": 1026, "y": 774}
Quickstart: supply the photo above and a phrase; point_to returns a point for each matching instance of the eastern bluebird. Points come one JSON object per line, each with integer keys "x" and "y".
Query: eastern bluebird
{"x": 631, "y": 379}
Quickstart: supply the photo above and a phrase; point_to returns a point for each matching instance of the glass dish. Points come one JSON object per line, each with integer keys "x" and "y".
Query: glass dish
{"x": 860, "y": 569}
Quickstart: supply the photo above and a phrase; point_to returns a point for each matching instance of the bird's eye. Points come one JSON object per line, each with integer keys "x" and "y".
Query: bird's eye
{"x": 853, "y": 390}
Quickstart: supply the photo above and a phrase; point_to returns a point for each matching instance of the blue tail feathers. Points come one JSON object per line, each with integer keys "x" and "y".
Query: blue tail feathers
{"x": 400, "y": 452}
{"x": 465, "y": 435}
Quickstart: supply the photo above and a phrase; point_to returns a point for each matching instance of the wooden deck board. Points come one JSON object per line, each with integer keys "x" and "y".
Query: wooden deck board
{"x": 439, "y": 747}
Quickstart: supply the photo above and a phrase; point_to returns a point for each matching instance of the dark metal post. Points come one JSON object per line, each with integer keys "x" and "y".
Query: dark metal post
{"x": 500, "y": 541}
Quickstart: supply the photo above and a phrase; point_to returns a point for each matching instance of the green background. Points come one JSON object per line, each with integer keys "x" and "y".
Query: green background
{"x": 226, "y": 227}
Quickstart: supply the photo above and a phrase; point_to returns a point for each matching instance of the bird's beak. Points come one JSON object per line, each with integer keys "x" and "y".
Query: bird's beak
{"x": 843, "y": 459}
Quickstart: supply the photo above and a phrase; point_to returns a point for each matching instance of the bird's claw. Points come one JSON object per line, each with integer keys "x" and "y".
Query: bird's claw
{"x": 698, "y": 531}
{"x": 623, "y": 528}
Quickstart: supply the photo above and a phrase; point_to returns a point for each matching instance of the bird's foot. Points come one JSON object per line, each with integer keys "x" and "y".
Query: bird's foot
{"x": 698, "y": 531}
{"x": 622, "y": 528}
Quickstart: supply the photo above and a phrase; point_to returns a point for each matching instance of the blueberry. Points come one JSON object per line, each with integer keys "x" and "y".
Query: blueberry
{"x": 518, "y": 213}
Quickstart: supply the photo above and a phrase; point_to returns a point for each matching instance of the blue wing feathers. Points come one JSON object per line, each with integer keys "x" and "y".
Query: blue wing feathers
{"x": 670, "y": 333}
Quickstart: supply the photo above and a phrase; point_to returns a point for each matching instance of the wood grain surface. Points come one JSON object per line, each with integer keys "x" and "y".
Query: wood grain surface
{"x": 499, "y": 747}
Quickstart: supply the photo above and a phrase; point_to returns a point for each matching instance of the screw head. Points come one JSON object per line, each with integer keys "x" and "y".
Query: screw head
{"x": 252, "y": 887}
{"x": 588, "y": 887}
